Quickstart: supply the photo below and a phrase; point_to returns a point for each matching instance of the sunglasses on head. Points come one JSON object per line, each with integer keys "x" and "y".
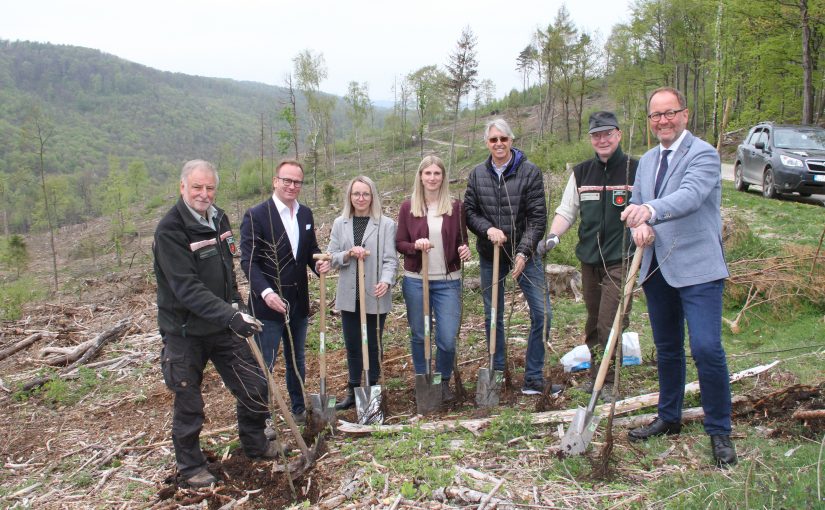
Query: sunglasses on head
{"x": 496, "y": 139}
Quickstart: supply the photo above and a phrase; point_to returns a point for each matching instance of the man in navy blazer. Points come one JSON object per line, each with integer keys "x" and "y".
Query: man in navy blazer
{"x": 675, "y": 208}
{"x": 277, "y": 244}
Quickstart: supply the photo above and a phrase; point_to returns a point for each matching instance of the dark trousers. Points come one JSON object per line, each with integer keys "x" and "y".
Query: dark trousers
{"x": 351, "y": 322}
{"x": 182, "y": 362}
{"x": 701, "y": 307}
{"x": 602, "y": 290}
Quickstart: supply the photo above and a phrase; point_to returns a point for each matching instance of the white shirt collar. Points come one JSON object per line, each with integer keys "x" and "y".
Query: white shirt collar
{"x": 675, "y": 145}
{"x": 282, "y": 207}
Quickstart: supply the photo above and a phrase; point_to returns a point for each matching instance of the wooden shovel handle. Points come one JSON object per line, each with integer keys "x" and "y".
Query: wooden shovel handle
{"x": 494, "y": 301}
{"x": 425, "y": 275}
{"x": 362, "y": 302}
{"x": 616, "y": 331}
{"x": 322, "y": 348}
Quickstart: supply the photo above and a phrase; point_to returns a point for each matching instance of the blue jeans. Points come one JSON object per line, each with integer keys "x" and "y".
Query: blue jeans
{"x": 532, "y": 285}
{"x": 269, "y": 340}
{"x": 445, "y": 308}
{"x": 701, "y": 306}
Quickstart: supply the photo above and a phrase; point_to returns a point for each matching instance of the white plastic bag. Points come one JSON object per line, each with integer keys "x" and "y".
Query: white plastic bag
{"x": 576, "y": 360}
{"x": 631, "y": 351}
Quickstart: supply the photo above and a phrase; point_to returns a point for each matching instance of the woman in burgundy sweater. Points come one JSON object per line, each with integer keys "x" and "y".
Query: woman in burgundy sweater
{"x": 431, "y": 220}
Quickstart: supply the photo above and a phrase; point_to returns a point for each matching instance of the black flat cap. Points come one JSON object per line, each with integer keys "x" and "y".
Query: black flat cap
{"x": 602, "y": 121}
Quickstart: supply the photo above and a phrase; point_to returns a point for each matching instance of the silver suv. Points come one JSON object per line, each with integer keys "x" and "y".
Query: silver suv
{"x": 783, "y": 159}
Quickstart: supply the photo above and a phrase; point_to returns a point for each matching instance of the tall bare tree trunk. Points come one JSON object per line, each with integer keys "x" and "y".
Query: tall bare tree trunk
{"x": 807, "y": 66}
{"x": 42, "y": 137}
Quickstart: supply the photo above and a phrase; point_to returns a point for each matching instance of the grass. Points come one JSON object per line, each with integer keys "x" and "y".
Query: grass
{"x": 772, "y": 473}
{"x": 16, "y": 293}
{"x": 776, "y": 222}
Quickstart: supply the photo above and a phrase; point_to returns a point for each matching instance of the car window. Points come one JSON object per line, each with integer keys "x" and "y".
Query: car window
{"x": 760, "y": 137}
{"x": 754, "y": 137}
{"x": 800, "y": 139}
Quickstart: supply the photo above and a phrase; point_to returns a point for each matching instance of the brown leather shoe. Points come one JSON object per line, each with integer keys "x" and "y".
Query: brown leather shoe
{"x": 659, "y": 427}
{"x": 202, "y": 478}
{"x": 724, "y": 454}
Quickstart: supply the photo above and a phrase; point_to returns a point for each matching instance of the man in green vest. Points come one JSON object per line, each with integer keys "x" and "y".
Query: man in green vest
{"x": 598, "y": 191}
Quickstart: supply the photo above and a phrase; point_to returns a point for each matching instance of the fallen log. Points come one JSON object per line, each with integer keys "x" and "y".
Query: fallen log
{"x": 809, "y": 414}
{"x": 64, "y": 355}
{"x": 119, "y": 329}
{"x": 22, "y": 344}
{"x": 549, "y": 417}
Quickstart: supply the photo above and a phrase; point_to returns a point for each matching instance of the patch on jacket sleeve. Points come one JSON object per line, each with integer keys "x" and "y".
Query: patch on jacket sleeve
{"x": 230, "y": 241}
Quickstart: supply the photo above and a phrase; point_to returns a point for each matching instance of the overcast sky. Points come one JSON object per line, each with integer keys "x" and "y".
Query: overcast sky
{"x": 361, "y": 40}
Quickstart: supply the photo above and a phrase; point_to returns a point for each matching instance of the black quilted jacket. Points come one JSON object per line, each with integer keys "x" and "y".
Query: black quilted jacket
{"x": 515, "y": 205}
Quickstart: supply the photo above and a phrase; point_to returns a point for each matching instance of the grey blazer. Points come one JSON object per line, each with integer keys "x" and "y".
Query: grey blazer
{"x": 341, "y": 241}
{"x": 688, "y": 222}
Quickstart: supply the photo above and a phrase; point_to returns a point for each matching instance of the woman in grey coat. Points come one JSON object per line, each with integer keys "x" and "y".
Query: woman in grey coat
{"x": 362, "y": 228}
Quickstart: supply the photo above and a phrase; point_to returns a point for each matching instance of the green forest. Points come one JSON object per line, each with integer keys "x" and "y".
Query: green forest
{"x": 92, "y": 123}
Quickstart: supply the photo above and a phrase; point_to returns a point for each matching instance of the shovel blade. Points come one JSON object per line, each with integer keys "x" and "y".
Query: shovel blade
{"x": 580, "y": 432}
{"x": 323, "y": 409}
{"x": 368, "y": 405}
{"x": 488, "y": 387}
{"x": 427, "y": 392}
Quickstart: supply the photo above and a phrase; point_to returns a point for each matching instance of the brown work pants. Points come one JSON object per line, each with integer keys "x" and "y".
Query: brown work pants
{"x": 602, "y": 291}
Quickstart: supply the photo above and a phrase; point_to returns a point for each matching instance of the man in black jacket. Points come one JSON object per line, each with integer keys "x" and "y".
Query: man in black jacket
{"x": 599, "y": 190}
{"x": 505, "y": 205}
{"x": 193, "y": 251}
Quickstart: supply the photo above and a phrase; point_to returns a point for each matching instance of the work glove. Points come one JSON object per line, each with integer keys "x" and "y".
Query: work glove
{"x": 547, "y": 245}
{"x": 244, "y": 325}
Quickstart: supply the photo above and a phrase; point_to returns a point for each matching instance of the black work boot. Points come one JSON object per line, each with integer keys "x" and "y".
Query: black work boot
{"x": 724, "y": 453}
{"x": 349, "y": 401}
{"x": 447, "y": 395}
{"x": 202, "y": 478}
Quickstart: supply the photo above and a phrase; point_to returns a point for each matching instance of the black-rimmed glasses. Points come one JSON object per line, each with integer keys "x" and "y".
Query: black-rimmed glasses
{"x": 657, "y": 116}
{"x": 290, "y": 182}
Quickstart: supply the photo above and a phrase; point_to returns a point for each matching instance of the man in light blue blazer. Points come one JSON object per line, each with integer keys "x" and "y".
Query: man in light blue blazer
{"x": 675, "y": 209}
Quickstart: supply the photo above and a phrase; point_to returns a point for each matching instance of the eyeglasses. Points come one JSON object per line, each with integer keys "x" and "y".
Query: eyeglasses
{"x": 496, "y": 139}
{"x": 364, "y": 194}
{"x": 657, "y": 116}
{"x": 291, "y": 182}
{"x": 602, "y": 134}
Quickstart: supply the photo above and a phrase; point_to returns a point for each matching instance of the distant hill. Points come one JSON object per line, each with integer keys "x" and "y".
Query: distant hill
{"x": 101, "y": 105}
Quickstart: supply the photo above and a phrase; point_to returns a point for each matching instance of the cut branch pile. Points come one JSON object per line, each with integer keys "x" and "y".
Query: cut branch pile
{"x": 782, "y": 281}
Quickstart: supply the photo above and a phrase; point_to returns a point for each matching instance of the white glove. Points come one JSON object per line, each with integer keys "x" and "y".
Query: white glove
{"x": 547, "y": 245}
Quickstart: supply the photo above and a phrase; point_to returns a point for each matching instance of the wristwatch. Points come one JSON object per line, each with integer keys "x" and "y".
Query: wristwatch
{"x": 519, "y": 254}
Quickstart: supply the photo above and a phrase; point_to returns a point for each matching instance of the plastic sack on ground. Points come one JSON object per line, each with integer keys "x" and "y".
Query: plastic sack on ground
{"x": 576, "y": 360}
{"x": 631, "y": 351}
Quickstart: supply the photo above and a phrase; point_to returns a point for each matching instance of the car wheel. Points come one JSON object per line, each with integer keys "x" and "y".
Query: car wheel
{"x": 768, "y": 184}
{"x": 738, "y": 179}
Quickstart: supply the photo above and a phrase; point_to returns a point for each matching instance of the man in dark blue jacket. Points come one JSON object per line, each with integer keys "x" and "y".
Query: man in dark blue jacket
{"x": 193, "y": 251}
{"x": 505, "y": 205}
{"x": 277, "y": 245}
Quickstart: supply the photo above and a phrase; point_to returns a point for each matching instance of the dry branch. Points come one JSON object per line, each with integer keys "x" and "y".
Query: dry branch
{"x": 549, "y": 417}
{"x": 809, "y": 414}
{"x": 782, "y": 280}
{"x": 465, "y": 495}
{"x": 119, "y": 329}
{"x": 22, "y": 344}
{"x": 64, "y": 355}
